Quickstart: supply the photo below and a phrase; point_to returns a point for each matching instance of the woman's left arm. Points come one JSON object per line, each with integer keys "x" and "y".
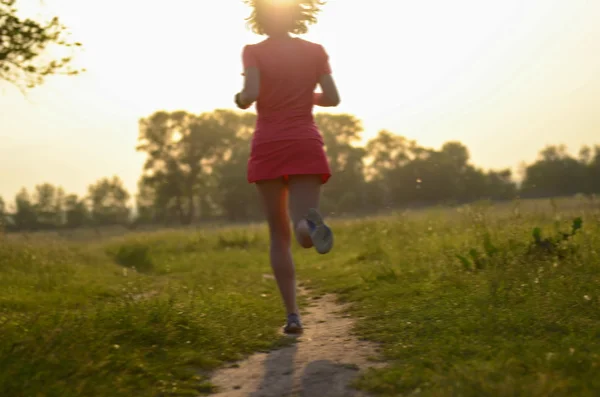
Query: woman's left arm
{"x": 249, "y": 93}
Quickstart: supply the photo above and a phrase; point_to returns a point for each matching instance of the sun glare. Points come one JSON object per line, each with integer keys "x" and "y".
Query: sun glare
{"x": 283, "y": 2}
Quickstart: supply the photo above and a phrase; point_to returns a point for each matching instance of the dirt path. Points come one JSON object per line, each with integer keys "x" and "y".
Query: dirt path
{"x": 322, "y": 364}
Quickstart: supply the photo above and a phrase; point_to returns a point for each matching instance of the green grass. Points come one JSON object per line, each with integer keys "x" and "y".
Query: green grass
{"x": 462, "y": 302}
{"x": 79, "y": 321}
{"x": 527, "y": 322}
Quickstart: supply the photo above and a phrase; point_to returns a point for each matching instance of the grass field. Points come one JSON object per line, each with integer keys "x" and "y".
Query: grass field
{"x": 470, "y": 301}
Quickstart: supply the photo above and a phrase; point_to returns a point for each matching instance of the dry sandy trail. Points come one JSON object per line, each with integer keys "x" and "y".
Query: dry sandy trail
{"x": 322, "y": 364}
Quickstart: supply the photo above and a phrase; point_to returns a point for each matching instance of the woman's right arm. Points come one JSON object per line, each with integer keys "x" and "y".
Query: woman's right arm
{"x": 329, "y": 96}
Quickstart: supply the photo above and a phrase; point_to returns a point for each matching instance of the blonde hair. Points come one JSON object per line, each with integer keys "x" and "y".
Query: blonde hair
{"x": 304, "y": 14}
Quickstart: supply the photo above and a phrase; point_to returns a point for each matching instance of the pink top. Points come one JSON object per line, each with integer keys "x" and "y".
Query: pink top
{"x": 289, "y": 73}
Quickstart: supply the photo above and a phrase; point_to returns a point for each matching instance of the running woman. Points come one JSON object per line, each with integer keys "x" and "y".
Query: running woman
{"x": 287, "y": 158}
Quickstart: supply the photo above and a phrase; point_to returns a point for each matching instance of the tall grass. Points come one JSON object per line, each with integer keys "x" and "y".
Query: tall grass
{"x": 475, "y": 301}
{"x": 144, "y": 315}
{"x": 478, "y": 300}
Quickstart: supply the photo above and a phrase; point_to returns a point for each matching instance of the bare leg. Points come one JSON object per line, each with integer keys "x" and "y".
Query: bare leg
{"x": 274, "y": 197}
{"x": 305, "y": 191}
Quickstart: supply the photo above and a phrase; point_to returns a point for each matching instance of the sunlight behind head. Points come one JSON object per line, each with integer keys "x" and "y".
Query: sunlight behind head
{"x": 277, "y": 17}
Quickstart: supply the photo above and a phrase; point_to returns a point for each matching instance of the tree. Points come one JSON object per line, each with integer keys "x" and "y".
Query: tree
{"x": 236, "y": 198}
{"x": 400, "y": 172}
{"x": 500, "y": 185}
{"x": 585, "y": 155}
{"x": 145, "y": 202}
{"x": 3, "y": 214}
{"x": 48, "y": 204}
{"x": 182, "y": 150}
{"x": 386, "y": 153}
{"x": 555, "y": 173}
{"x": 23, "y": 43}
{"x": 345, "y": 191}
{"x": 158, "y": 137}
{"x": 25, "y": 216}
{"x": 76, "y": 212}
{"x": 453, "y": 170}
{"x": 109, "y": 199}
{"x": 594, "y": 171}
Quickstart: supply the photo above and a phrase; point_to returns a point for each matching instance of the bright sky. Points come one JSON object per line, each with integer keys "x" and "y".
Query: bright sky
{"x": 504, "y": 77}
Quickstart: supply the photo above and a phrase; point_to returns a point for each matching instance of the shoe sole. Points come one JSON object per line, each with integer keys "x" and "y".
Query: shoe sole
{"x": 322, "y": 237}
{"x": 293, "y": 329}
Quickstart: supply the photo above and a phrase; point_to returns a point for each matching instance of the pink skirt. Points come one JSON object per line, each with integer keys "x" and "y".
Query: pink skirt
{"x": 281, "y": 159}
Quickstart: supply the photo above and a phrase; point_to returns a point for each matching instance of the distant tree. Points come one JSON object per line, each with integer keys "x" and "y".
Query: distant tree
{"x": 400, "y": 172}
{"x": 76, "y": 212}
{"x": 23, "y": 43}
{"x": 340, "y": 132}
{"x": 346, "y": 190}
{"x": 387, "y": 151}
{"x": 145, "y": 203}
{"x": 3, "y": 214}
{"x": 555, "y": 173}
{"x": 391, "y": 171}
{"x": 109, "y": 198}
{"x": 237, "y": 199}
{"x": 594, "y": 171}
{"x": 49, "y": 206}
{"x": 585, "y": 155}
{"x": 182, "y": 151}
{"x": 500, "y": 185}
{"x": 440, "y": 176}
{"x": 25, "y": 216}
{"x": 419, "y": 181}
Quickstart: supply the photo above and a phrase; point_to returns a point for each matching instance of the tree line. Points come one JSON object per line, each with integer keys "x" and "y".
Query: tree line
{"x": 195, "y": 170}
